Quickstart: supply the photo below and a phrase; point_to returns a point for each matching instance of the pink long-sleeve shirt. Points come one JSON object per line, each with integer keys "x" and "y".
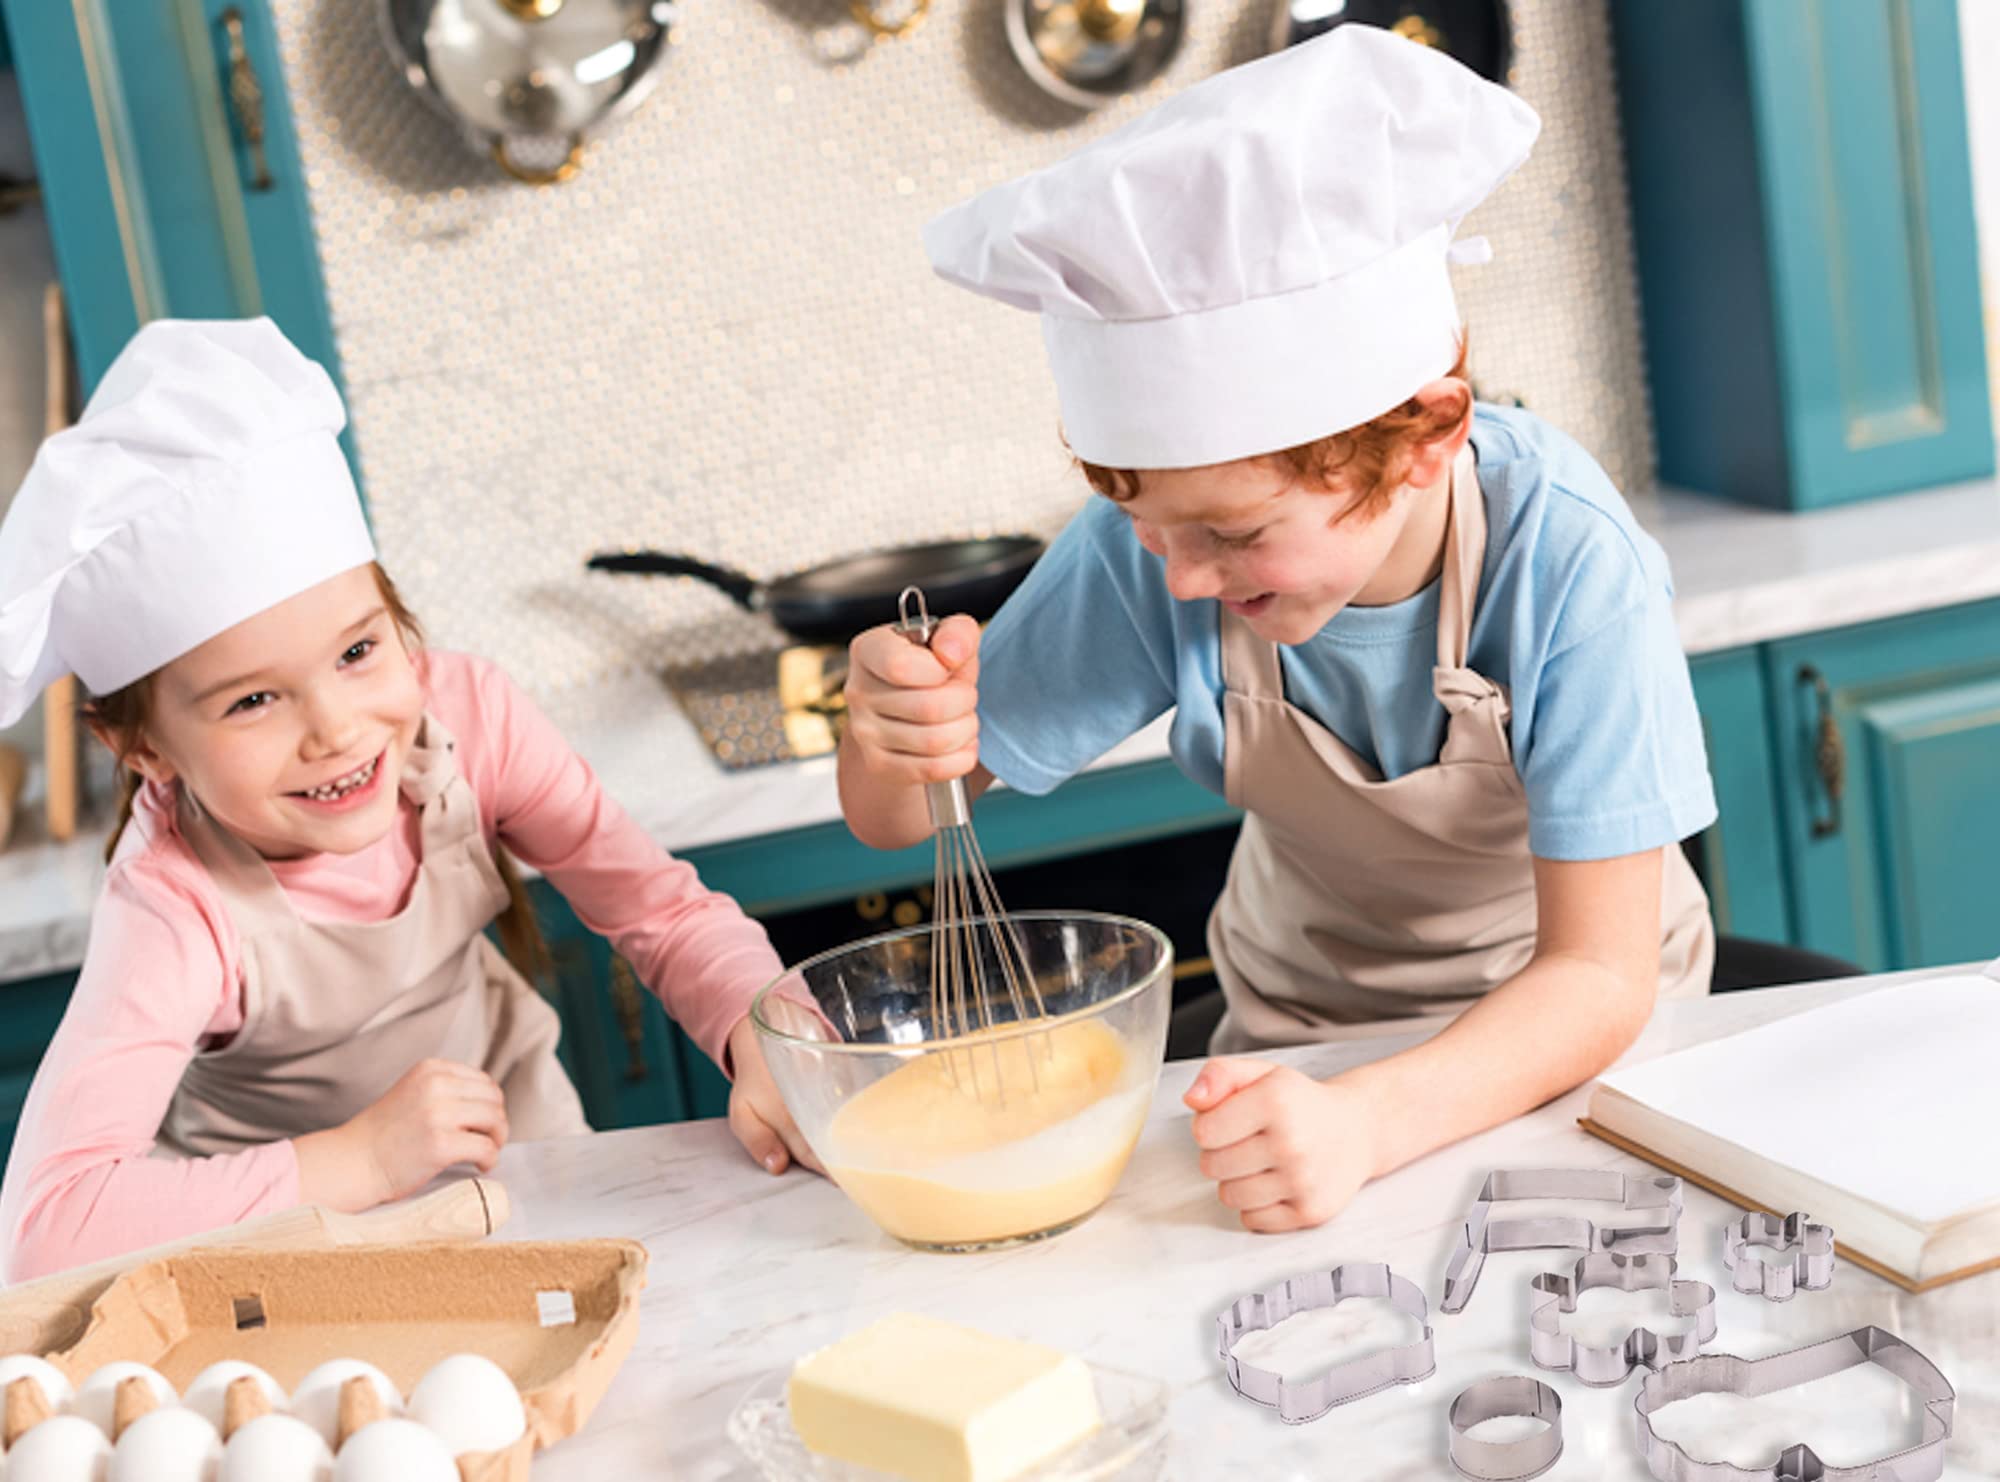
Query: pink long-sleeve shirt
{"x": 163, "y": 977}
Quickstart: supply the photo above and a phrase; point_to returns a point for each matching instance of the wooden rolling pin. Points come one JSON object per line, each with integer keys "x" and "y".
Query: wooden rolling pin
{"x": 41, "y": 1316}
{"x": 13, "y": 768}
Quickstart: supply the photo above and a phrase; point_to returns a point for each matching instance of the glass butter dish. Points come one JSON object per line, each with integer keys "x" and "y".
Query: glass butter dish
{"x": 1131, "y": 1445}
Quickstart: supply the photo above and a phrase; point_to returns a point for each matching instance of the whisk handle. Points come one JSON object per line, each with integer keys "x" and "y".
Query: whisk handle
{"x": 949, "y": 805}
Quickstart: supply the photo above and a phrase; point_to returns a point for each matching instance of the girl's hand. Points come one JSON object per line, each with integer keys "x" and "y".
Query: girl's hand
{"x": 913, "y": 712}
{"x": 439, "y": 1114}
{"x": 1287, "y": 1152}
{"x": 757, "y": 1112}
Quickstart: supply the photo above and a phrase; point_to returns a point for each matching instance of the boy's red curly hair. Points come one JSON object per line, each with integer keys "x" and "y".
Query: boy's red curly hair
{"x": 1372, "y": 459}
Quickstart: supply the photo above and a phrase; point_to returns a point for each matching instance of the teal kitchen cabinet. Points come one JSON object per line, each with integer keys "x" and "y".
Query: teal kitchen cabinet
{"x": 620, "y": 1048}
{"x": 30, "y": 1010}
{"x": 1742, "y": 854}
{"x": 1887, "y": 753}
{"x": 1808, "y": 264}
{"x": 170, "y": 172}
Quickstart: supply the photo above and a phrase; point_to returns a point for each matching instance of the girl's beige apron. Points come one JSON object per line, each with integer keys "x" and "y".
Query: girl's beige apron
{"x": 1352, "y": 899}
{"x": 335, "y": 1012}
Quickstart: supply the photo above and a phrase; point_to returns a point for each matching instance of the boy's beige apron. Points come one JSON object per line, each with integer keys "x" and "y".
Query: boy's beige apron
{"x": 335, "y": 1012}
{"x": 1351, "y": 899}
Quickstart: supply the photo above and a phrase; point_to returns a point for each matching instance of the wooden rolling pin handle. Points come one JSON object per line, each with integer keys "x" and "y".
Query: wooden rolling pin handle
{"x": 360, "y": 1404}
{"x": 27, "y": 1407}
{"x": 470, "y": 1209}
{"x": 51, "y": 1313}
{"x": 135, "y": 1397}
{"x": 243, "y": 1402}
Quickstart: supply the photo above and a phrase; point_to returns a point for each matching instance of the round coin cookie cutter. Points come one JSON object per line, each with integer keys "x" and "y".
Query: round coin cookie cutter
{"x": 1505, "y": 1461}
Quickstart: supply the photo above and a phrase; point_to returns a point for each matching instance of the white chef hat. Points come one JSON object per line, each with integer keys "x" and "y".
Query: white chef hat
{"x": 203, "y": 484}
{"x": 1258, "y": 262}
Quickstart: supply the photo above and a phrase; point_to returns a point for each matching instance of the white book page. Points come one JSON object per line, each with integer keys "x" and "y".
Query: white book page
{"x": 1893, "y": 1096}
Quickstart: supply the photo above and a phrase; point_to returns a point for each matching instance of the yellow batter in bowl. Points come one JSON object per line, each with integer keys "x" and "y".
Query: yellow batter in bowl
{"x": 1002, "y": 1135}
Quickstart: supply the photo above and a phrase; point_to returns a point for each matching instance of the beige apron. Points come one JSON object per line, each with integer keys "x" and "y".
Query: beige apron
{"x": 1352, "y": 899}
{"x": 335, "y": 1012}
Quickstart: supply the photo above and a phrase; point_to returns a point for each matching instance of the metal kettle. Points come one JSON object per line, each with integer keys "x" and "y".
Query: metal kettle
{"x": 514, "y": 70}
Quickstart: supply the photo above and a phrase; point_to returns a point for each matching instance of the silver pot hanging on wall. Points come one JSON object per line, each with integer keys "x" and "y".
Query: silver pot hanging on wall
{"x": 1479, "y": 33}
{"x": 515, "y": 72}
{"x": 1091, "y": 52}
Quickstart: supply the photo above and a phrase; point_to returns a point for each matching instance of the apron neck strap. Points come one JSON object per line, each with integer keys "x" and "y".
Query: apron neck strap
{"x": 1464, "y": 560}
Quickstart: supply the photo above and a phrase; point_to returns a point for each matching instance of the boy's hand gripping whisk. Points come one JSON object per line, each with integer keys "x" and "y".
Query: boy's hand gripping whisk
{"x": 974, "y": 941}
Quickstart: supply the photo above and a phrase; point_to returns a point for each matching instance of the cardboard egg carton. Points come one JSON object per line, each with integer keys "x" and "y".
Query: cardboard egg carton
{"x": 558, "y": 1316}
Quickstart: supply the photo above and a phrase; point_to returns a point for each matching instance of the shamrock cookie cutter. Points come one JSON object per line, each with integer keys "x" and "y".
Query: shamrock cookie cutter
{"x": 1809, "y": 1270}
{"x": 1297, "y": 1403}
{"x": 1505, "y": 1461}
{"x": 1653, "y": 1199}
{"x": 1713, "y": 1373}
{"x": 1555, "y": 1292}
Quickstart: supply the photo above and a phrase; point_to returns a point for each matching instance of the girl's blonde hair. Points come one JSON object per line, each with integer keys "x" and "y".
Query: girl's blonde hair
{"x": 125, "y": 713}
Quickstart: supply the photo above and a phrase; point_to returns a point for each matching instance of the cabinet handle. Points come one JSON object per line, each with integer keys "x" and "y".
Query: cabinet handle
{"x": 246, "y": 96}
{"x": 626, "y": 1004}
{"x": 1829, "y": 753}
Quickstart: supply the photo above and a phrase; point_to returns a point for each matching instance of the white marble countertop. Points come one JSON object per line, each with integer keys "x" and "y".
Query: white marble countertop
{"x": 1743, "y": 575}
{"x": 748, "y": 1272}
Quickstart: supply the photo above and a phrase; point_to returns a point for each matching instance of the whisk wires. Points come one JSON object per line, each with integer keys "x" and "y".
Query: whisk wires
{"x": 973, "y": 940}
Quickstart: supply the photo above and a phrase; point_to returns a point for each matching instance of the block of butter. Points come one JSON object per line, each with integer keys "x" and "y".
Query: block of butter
{"x": 930, "y": 1401}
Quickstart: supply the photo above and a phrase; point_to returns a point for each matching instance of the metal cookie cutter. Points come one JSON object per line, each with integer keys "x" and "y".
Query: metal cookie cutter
{"x": 1749, "y": 1378}
{"x": 1654, "y": 1198}
{"x": 1505, "y": 1461}
{"x": 1309, "y": 1399}
{"x": 1809, "y": 1270}
{"x": 1555, "y": 1292}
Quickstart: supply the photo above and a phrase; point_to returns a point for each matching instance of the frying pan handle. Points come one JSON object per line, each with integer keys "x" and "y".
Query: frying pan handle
{"x": 742, "y": 588}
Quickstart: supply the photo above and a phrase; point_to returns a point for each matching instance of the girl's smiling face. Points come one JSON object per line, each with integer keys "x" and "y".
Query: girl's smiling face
{"x": 292, "y": 727}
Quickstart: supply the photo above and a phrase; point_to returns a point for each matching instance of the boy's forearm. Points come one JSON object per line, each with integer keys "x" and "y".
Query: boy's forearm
{"x": 1554, "y": 1025}
{"x": 880, "y": 813}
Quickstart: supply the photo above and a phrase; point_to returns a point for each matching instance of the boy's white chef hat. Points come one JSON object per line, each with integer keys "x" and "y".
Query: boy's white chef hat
{"x": 203, "y": 484}
{"x": 1258, "y": 262}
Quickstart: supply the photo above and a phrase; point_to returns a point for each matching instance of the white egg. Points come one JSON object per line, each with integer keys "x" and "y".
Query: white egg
{"x": 171, "y": 1444}
{"x": 55, "y": 1384}
{"x": 317, "y": 1399}
{"x": 97, "y": 1399}
{"x": 276, "y": 1448}
{"x": 471, "y": 1404}
{"x": 394, "y": 1451}
{"x": 65, "y": 1448}
{"x": 207, "y": 1393}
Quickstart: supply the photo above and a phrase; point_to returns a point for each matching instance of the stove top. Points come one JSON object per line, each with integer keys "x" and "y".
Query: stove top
{"x": 771, "y": 705}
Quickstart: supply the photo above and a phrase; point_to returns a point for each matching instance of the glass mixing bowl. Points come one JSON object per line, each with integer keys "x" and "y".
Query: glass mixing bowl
{"x": 966, "y": 1141}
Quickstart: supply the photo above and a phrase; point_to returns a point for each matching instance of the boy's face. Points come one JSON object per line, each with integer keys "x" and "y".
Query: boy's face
{"x": 292, "y": 727}
{"x": 1274, "y": 551}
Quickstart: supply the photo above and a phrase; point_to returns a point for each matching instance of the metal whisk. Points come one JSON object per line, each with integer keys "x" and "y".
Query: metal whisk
{"x": 973, "y": 934}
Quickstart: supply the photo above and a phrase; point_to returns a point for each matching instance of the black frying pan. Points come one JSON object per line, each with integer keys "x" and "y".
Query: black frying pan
{"x": 832, "y": 602}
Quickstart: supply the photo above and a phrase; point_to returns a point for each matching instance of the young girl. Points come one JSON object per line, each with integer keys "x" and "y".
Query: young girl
{"x": 1422, "y": 642}
{"x": 288, "y": 996}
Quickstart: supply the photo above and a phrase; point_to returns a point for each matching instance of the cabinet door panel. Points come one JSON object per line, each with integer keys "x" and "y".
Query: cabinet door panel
{"x": 1887, "y": 873}
{"x": 1742, "y": 855}
{"x": 1933, "y": 759}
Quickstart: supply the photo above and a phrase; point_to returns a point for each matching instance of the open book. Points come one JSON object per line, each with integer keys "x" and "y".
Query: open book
{"x": 1878, "y": 1115}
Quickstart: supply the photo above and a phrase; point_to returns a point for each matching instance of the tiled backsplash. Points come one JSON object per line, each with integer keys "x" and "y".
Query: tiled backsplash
{"x": 723, "y": 337}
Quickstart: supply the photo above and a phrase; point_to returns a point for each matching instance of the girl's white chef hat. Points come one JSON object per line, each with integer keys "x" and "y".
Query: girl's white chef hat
{"x": 203, "y": 484}
{"x": 1258, "y": 262}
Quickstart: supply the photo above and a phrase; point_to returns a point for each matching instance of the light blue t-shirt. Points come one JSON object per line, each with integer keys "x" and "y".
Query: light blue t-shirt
{"x": 1574, "y": 618}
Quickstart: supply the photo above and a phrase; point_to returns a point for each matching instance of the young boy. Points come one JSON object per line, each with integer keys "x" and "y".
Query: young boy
{"x": 1422, "y": 643}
